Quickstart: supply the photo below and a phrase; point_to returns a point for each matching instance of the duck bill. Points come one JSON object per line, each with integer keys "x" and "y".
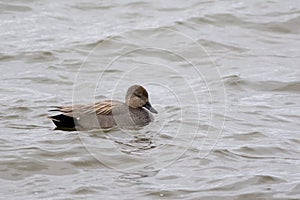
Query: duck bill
{"x": 150, "y": 108}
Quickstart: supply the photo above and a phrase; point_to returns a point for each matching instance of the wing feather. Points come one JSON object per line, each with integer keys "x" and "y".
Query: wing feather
{"x": 100, "y": 108}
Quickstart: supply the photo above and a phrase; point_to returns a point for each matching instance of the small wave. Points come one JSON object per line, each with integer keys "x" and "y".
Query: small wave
{"x": 4, "y": 57}
{"x": 4, "y": 8}
{"x": 277, "y": 86}
{"x": 91, "y": 6}
{"x": 221, "y": 46}
{"x": 32, "y": 56}
{"x": 284, "y": 27}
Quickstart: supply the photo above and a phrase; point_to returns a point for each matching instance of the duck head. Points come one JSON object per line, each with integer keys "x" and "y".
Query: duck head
{"x": 137, "y": 97}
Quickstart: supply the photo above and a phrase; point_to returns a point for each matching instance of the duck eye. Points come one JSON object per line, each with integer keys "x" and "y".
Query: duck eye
{"x": 137, "y": 95}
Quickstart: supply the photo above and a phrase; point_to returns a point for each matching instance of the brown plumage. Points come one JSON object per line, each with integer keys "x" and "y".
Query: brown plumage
{"x": 107, "y": 114}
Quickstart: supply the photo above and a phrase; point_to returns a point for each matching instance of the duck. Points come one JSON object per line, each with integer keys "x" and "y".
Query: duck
{"x": 108, "y": 113}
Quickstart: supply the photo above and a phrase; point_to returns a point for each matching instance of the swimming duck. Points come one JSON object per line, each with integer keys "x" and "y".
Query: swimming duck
{"x": 107, "y": 114}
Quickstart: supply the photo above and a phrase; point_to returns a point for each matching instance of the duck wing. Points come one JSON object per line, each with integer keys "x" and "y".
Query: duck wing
{"x": 100, "y": 108}
{"x": 104, "y": 107}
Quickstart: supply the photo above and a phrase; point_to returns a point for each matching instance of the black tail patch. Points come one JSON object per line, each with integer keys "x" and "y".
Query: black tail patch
{"x": 62, "y": 121}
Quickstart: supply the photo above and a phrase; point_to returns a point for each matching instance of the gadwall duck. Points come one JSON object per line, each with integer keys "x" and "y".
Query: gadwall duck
{"x": 107, "y": 114}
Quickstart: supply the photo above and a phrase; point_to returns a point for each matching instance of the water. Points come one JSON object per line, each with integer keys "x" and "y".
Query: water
{"x": 224, "y": 76}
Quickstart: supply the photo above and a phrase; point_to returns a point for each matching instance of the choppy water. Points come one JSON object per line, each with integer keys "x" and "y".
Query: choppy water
{"x": 224, "y": 76}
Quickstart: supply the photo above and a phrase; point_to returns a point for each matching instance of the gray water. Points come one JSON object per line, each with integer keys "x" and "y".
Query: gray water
{"x": 223, "y": 75}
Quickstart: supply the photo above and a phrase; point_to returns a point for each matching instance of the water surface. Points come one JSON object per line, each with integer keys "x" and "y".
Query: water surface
{"x": 224, "y": 76}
